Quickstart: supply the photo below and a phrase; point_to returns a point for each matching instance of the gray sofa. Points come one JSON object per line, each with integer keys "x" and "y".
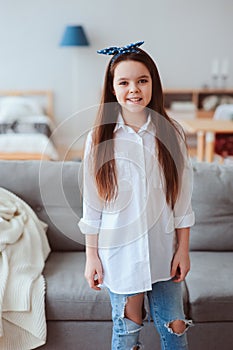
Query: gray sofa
{"x": 79, "y": 318}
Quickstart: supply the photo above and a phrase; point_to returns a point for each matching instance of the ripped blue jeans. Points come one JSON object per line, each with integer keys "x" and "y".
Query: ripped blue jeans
{"x": 166, "y": 306}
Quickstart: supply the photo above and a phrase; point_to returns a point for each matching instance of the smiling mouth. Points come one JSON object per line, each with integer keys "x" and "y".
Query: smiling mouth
{"x": 134, "y": 99}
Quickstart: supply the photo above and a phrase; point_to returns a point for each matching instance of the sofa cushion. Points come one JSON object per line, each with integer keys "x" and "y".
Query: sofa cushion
{"x": 68, "y": 295}
{"x": 52, "y": 190}
{"x": 210, "y": 286}
{"x": 212, "y": 202}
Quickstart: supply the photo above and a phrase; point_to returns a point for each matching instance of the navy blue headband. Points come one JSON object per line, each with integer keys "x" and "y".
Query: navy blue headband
{"x": 117, "y": 51}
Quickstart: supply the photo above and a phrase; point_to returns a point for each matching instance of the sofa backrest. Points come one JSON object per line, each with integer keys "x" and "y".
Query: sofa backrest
{"x": 52, "y": 191}
{"x": 212, "y": 202}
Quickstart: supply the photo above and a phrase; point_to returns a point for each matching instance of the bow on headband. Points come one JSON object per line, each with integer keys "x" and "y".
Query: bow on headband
{"x": 114, "y": 50}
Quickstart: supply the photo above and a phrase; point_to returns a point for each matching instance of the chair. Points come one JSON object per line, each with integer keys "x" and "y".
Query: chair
{"x": 224, "y": 142}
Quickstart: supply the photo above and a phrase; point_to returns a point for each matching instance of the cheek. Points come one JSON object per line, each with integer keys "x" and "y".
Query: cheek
{"x": 118, "y": 94}
{"x": 114, "y": 89}
{"x": 150, "y": 93}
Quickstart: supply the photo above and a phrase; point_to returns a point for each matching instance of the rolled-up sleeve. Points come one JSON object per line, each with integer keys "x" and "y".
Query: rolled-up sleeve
{"x": 183, "y": 213}
{"x": 92, "y": 203}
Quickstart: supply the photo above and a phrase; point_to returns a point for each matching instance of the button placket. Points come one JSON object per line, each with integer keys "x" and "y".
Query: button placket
{"x": 144, "y": 176}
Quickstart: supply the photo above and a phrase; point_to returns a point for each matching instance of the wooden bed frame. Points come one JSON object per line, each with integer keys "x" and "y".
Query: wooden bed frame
{"x": 49, "y": 111}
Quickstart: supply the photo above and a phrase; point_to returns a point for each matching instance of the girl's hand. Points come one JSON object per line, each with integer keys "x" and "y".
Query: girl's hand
{"x": 94, "y": 272}
{"x": 180, "y": 265}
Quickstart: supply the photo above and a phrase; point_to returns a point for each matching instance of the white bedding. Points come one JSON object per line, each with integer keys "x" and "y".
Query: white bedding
{"x": 30, "y": 121}
{"x": 24, "y": 128}
{"x": 28, "y": 143}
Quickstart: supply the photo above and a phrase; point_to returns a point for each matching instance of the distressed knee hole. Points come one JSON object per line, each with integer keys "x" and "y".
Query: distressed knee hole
{"x": 178, "y": 327}
{"x": 134, "y": 307}
{"x": 137, "y": 347}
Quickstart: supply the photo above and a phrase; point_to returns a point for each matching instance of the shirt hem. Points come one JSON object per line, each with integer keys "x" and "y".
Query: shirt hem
{"x": 143, "y": 290}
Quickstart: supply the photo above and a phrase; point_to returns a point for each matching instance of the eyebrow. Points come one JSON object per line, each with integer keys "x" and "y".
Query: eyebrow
{"x": 140, "y": 77}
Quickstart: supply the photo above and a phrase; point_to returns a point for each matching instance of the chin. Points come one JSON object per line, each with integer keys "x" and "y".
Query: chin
{"x": 135, "y": 108}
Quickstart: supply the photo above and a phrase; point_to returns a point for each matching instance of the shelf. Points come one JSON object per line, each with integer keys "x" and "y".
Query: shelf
{"x": 197, "y": 98}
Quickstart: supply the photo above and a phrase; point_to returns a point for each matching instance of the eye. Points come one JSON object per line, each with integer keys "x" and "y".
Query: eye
{"x": 123, "y": 83}
{"x": 143, "y": 81}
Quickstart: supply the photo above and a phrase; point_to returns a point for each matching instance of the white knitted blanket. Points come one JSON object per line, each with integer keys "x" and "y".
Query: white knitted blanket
{"x": 23, "y": 251}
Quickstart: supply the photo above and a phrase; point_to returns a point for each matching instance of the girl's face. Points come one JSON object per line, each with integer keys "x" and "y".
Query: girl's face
{"x": 132, "y": 85}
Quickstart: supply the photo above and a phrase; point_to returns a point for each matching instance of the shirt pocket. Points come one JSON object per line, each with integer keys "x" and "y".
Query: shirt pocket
{"x": 123, "y": 165}
{"x": 157, "y": 177}
{"x": 124, "y": 184}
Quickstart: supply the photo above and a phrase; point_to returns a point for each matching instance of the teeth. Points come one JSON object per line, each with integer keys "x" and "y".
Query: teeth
{"x": 136, "y": 99}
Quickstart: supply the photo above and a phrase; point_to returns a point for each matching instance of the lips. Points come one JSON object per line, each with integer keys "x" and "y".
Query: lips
{"x": 134, "y": 99}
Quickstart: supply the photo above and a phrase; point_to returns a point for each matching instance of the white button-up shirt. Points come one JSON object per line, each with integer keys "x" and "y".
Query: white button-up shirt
{"x": 137, "y": 238}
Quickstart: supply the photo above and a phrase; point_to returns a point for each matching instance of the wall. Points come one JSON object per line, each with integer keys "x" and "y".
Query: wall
{"x": 184, "y": 37}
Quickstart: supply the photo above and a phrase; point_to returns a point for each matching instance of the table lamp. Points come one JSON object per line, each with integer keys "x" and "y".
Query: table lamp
{"x": 74, "y": 36}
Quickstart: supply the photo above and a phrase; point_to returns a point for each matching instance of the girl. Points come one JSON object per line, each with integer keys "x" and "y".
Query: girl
{"x": 137, "y": 211}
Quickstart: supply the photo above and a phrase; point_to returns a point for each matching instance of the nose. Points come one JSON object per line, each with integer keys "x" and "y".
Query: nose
{"x": 133, "y": 88}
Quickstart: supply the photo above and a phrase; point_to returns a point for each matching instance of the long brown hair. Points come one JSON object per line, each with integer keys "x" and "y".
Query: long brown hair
{"x": 168, "y": 134}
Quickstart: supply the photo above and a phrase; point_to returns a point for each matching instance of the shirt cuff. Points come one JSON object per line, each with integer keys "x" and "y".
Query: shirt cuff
{"x": 184, "y": 221}
{"x": 89, "y": 227}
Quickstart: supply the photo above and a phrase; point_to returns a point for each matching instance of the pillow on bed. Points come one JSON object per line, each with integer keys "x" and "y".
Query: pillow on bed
{"x": 14, "y": 107}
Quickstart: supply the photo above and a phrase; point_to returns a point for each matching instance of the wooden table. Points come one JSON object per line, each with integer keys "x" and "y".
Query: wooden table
{"x": 206, "y": 129}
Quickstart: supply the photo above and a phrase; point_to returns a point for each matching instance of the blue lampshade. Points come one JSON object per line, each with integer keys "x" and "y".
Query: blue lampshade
{"x": 74, "y": 36}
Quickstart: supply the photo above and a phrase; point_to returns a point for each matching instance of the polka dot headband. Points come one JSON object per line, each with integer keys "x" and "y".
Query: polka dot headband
{"x": 117, "y": 51}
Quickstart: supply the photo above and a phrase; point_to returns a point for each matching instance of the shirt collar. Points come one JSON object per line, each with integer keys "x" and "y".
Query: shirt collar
{"x": 148, "y": 126}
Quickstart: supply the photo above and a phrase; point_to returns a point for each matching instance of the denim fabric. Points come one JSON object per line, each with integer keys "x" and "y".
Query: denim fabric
{"x": 166, "y": 305}
{"x": 125, "y": 333}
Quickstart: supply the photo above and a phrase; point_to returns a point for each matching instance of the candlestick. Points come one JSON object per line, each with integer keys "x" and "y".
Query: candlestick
{"x": 215, "y": 68}
{"x": 225, "y": 67}
{"x": 215, "y": 72}
{"x": 224, "y": 71}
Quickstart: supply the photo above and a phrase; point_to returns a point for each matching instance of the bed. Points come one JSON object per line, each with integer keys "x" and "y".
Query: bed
{"x": 26, "y": 125}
